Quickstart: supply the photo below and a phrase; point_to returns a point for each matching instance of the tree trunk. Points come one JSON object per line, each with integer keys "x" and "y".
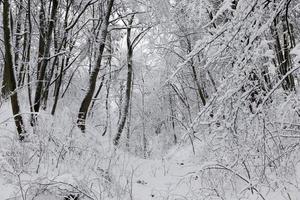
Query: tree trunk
{"x": 10, "y": 85}
{"x": 108, "y": 83}
{"x": 283, "y": 53}
{"x": 144, "y": 118}
{"x": 64, "y": 62}
{"x": 42, "y": 72}
{"x": 25, "y": 53}
{"x": 172, "y": 112}
{"x": 93, "y": 78}
{"x": 17, "y": 34}
{"x": 54, "y": 66}
{"x": 128, "y": 85}
{"x": 195, "y": 75}
{"x": 42, "y": 35}
{"x": 56, "y": 96}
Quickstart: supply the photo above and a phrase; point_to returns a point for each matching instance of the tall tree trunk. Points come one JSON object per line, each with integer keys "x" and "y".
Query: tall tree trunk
{"x": 64, "y": 62}
{"x": 56, "y": 95}
{"x": 196, "y": 80}
{"x": 56, "y": 60}
{"x": 28, "y": 16}
{"x": 283, "y": 51}
{"x": 42, "y": 72}
{"x": 93, "y": 77}
{"x": 287, "y": 46}
{"x": 22, "y": 69}
{"x": 54, "y": 66}
{"x": 128, "y": 131}
{"x": 108, "y": 83}
{"x": 107, "y": 107}
{"x": 42, "y": 35}
{"x": 172, "y": 112}
{"x": 17, "y": 34}
{"x": 58, "y": 76}
{"x": 128, "y": 85}
{"x": 10, "y": 85}
{"x": 200, "y": 91}
{"x": 144, "y": 117}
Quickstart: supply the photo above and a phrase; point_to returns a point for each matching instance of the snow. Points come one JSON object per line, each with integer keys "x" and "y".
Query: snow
{"x": 6, "y": 190}
{"x": 176, "y": 175}
{"x": 173, "y": 176}
{"x": 296, "y": 51}
{"x": 89, "y": 165}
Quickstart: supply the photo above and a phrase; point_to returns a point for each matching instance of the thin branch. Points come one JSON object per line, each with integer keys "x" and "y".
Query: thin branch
{"x": 80, "y": 14}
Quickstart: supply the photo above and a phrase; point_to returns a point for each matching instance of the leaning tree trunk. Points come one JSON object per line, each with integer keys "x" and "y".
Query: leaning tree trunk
{"x": 195, "y": 76}
{"x": 93, "y": 78}
{"x": 9, "y": 81}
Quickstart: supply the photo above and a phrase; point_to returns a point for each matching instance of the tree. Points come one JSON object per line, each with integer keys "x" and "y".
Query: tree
{"x": 282, "y": 45}
{"x": 9, "y": 81}
{"x": 82, "y": 114}
{"x": 128, "y": 82}
{"x": 131, "y": 44}
{"x": 46, "y": 53}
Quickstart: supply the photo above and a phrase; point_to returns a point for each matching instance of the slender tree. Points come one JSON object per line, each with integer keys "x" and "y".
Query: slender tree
{"x": 46, "y": 53}
{"x": 93, "y": 77}
{"x": 18, "y": 34}
{"x": 9, "y": 82}
{"x": 130, "y": 47}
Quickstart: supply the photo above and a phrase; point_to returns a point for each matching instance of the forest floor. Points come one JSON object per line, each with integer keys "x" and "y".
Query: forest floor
{"x": 123, "y": 175}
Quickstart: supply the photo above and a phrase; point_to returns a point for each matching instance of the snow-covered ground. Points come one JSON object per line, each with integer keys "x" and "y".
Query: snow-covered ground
{"x": 58, "y": 160}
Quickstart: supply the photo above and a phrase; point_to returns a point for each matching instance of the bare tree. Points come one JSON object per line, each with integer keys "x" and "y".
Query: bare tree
{"x": 9, "y": 82}
{"x": 284, "y": 42}
{"x": 93, "y": 78}
{"x": 46, "y": 53}
{"x": 131, "y": 44}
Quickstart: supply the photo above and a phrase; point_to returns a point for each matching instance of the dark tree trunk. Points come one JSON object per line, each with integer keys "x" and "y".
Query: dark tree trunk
{"x": 17, "y": 34}
{"x": 283, "y": 51}
{"x": 42, "y": 70}
{"x": 42, "y": 35}
{"x": 108, "y": 82}
{"x": 200, "y": 91}
{"x": 10, "y": 82}
{"x": 128, "y": 85}
{"x": 93, "y": 77}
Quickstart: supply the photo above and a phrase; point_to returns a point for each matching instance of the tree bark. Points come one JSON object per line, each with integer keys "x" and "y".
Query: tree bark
{"x": 42, "y": 72}
{"x": 17, "y": 34}
{"x": 93, "y": 77}
{"x": 128, "y": 85}
{"x": 26, "y": 47}
{"x": 283, "y": 53}
{"x": 10, "y": 85}
{"x": 42, "y": 35}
